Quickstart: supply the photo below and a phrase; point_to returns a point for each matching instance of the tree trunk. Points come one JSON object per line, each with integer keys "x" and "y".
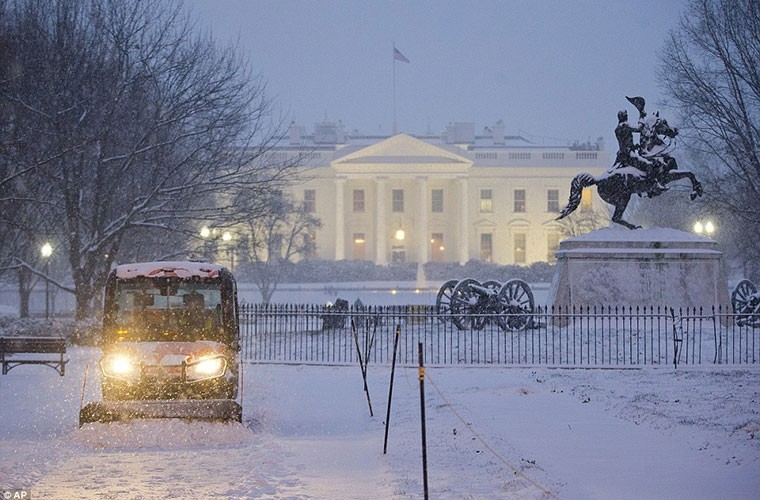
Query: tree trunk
{"x": 24, "y": 292}
{"x": 266, "y": 293}
{"x": 84, "y": 293}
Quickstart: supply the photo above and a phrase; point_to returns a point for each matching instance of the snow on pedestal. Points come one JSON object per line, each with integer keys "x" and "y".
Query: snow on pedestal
{"x": 643, "y": 267}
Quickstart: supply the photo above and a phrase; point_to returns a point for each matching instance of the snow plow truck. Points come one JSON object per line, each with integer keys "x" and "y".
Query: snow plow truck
{"x": 170, "y": 344}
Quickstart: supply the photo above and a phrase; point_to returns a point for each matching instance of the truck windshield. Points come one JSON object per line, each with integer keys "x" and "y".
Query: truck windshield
{"x": 173, "y": 310}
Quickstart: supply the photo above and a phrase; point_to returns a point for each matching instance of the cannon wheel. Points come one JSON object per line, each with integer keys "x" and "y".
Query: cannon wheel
{"x": 443, "y": 300}
{"x": 463, "y": 301}
{"x": 745, "y": 304}
{"x": 493, "y": 308}
{"x": 517, "y": 305}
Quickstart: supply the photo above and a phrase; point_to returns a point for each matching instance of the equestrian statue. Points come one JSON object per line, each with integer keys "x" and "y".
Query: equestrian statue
{"x": 645, "y": 168}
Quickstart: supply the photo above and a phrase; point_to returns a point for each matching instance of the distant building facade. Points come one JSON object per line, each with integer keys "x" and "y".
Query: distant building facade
{"x": 449, "y": 198}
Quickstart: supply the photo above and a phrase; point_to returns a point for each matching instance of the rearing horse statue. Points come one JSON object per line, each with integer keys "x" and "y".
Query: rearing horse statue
{"x": 621, "y": 181}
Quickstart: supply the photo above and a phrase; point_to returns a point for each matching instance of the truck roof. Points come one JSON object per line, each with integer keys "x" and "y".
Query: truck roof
{"x": 168, "y": 269}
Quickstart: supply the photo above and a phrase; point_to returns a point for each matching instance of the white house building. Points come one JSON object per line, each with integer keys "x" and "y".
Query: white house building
{"x": 448, "y": 198}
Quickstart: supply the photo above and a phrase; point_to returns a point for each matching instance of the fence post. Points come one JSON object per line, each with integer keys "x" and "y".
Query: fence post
{"x": 422, "y": 419}
{"x": 390, "y": 389}
{"x": 362, "y": 365}
{"x": 676, "y": 339}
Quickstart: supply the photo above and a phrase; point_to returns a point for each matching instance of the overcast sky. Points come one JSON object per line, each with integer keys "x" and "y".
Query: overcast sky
{"x": 553, "y": 71}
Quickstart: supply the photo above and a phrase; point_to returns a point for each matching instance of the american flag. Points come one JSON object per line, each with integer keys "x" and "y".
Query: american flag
{"x": 399, "y": 56}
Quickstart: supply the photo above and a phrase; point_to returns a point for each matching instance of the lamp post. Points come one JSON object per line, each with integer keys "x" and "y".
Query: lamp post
{"x": 707, "y": 228}
{"x": 47, "y": 251}
{"x": 227, "y": 238}
{"x": 211, "y": 238}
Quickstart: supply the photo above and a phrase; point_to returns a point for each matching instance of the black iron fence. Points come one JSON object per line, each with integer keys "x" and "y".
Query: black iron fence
{"x": 588, "y": 336}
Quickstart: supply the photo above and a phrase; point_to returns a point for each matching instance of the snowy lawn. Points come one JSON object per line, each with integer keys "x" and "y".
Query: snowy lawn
{"x": 492, "y": 432}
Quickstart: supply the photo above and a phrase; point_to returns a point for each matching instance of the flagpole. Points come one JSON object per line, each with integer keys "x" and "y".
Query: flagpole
{"x": 394, "y": 87}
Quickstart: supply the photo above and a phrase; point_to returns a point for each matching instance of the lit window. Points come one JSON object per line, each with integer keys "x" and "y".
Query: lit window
{"x": 398, "y": 200}
{"x": 358, "y": 200}
{"x": 520, "y": 248}
{"x": 359, "y": 245}
{"x": 486, "y": 200}
{"x": 519, "y": 200}
{"x": 486, "y": 247}
{"x": 436, "y": 247}
{"x": 586, "y": 205}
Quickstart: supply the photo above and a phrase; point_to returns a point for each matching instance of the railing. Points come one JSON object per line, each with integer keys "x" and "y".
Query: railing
{"x": 588, "y": 336}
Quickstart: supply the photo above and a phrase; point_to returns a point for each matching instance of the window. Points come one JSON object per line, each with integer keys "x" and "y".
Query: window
{"x": 359, "y": 245}
{"x": 486, "y": 156}
{"x": 519, "y": 156}
{"x": 519, "y": 200}
{"x": 398, "y": 255}
{"x": 552, "y": 245}
{"x": 358, "y": 200}
{"x": 520, "y": 248}
{"x": 436, "y": 247}
{"x": 585, "y": 156}
{"x": 309, "y": 200}
{"x": 436, "y": 198}
{"x": 486, "y": 247}
{"x": 554, "y": 156}
{"x": 398, "y": 200}
{"x": 586, "y": 200}
{"x": 486, "y": 200}
{"x": 309, "y": 245}
{"x": 552, "y": 200}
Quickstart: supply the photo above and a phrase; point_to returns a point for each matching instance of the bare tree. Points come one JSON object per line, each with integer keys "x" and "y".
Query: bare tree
{"x": 139, "y": 123}
{"x": 276, "y": 238}
{"x": 584, "y": 221}
{"x": 710, "y": 68}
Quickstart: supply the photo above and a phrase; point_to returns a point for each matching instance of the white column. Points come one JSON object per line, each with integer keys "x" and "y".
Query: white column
{"x": 422, "y": 220}
{"x": 340, "y": 223}
{"x": 381, "y": 229}
{"x": 464, "y": 222}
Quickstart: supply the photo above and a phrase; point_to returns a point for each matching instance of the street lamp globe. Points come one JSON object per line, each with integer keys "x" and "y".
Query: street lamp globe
{"x": 46, "y": 250}
{"x": 205, "y": 232}
{"x": 698, "y": 227}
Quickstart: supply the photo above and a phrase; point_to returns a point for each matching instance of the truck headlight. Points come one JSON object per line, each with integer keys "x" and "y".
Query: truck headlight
{"x": 120, "y": 366}
{"x": 206, "y": 368}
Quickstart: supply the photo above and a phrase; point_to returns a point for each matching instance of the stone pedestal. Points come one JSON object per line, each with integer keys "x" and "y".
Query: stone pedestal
{"x": 642, "y": 267}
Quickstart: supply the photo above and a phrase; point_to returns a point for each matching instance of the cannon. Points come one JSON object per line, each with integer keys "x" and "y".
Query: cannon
{"x": 471, "y": 304}
{"x": 745, "y": 301}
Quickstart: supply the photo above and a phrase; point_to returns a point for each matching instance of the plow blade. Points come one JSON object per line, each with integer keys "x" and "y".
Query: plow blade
{"x": 197, "y": 409}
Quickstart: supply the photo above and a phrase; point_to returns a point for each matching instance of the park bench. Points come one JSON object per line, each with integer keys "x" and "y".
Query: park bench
{"x": 15, "y": 351}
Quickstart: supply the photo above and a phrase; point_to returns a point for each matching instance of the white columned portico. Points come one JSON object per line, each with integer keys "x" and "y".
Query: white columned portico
{"x": 340, "y": 222}
{"x": 464, "y": 229}
{"x": 381, "y": 230}
{"x": 422, "y": 220}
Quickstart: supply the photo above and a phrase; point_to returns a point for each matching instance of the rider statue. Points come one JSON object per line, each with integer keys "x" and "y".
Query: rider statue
{"x": 642, "y": 168}
{"x": 629, "y": 153}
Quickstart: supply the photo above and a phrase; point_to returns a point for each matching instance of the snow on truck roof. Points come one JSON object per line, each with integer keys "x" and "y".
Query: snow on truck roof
{"x": 166, "y": 269}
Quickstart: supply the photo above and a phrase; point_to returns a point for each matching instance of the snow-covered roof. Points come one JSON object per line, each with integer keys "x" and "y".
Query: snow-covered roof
{"x": 166, "y": 269}
{"x": 661, "y": 234}
{"x": 621, "y": 241}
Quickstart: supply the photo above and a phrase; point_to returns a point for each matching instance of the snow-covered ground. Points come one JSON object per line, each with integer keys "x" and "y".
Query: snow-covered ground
{"x": 492, "y": 432}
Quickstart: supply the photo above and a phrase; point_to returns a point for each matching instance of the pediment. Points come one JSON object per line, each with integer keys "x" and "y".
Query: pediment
{"x": 484, "y": 223}
{"x": 402, "y": 149}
